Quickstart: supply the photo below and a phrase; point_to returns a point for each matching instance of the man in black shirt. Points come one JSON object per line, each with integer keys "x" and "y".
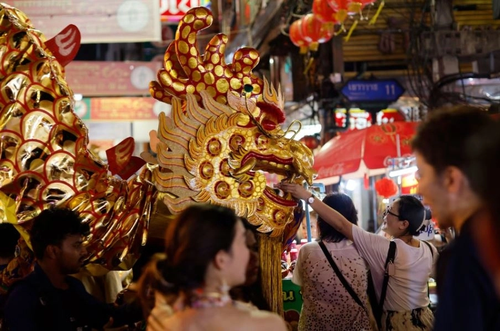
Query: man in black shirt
{"x": 8, "y": 242}
{"x": 50, "y": 299}
{"x": 466, "y": 296}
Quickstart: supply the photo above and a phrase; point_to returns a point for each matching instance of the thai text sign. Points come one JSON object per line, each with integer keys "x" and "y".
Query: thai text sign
{"x": 99, "y": 21}
{"x": 120, "y": 109}
{"x": 388, "y": 90}
{"x": 101, "y": 78}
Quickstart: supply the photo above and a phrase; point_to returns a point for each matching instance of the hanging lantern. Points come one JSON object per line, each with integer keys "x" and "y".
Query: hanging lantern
{"x": 315, "y": 32}
{"x": 296, "y": 36}
{"x": 386, "y": 187}
{"x": 312, "y": 142}
{"x": 324, "y": 13}
{"x": 341, "y": 7}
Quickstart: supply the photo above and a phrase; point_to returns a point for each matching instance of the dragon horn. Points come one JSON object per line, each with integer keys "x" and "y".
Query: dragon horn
{"x": 65, "y": 45}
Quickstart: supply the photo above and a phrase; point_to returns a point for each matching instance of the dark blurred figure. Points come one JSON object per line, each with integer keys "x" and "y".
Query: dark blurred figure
{"x": 466, "y": 297}
{"x": 8, "y": 241}
{"x": 50, "y": 299}
{"x": 484, "y": 152}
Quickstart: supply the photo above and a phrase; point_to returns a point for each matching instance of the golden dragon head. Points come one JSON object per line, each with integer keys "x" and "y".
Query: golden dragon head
{"x": 224, "y": 131}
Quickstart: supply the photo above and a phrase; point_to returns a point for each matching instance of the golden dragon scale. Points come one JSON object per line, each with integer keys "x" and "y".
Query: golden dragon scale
{"x": 44, "y": 155}
{"x": 223, "y": 134}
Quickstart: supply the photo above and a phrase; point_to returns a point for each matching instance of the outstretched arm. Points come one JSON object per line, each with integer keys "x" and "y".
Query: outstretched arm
{"x": 331, "y": 216}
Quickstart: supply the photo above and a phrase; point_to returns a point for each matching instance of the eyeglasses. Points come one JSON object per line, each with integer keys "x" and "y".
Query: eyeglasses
{"x": 387, "y": 211}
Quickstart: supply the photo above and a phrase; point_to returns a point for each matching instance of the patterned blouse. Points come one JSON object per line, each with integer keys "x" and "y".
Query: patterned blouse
{"x": 327, "y": 304}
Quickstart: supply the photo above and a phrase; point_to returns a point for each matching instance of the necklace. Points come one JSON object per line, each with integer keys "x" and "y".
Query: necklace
{"x": 201, "y": 299}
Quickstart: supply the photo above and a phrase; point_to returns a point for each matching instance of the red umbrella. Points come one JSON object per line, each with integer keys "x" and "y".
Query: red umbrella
{"x": 362, "y": 150}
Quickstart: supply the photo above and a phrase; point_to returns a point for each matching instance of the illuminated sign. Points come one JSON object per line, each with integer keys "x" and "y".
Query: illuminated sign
{"x": 174, "y": 10}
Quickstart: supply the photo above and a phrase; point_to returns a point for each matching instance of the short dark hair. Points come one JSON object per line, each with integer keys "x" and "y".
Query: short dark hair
{"x": 52, "y": 226}
{"x": 8, "y": 240}
{"x": 412, "y": 210}
{"x": 193, "y": 240}
{"x": 442, "y": 138}
{"x": 344, "y": 205}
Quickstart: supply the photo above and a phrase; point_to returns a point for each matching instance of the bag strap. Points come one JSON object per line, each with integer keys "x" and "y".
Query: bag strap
{"x": 339, "y": 275}
{"x": 390, "y": 259}
{"x": 429, "y": 245}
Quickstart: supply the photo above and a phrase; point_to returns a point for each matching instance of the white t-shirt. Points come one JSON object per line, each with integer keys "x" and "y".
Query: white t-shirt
{"x": 407, "y": 288}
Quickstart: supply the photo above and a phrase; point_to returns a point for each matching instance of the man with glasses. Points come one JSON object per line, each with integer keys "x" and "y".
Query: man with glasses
{"x": 466, "y": 294}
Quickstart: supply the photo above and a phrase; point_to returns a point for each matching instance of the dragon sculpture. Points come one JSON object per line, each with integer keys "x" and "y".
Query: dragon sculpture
{"x": 224, "y": 128}
{"x": 224, "y": 132}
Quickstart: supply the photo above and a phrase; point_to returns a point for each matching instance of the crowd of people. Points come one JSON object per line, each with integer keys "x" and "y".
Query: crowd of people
{"x": 207, "y": 278}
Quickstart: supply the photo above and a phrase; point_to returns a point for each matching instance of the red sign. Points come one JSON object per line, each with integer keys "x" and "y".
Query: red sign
{"x": 361, "y": 119}
{"x": 100, "y": 78}
{"x": 173, "y": 10}
{"x": 98, "y": 21}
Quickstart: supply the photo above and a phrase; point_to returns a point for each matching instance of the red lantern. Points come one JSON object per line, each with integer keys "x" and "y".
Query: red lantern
{"x": 324, "y": 13}
{"x": 315, "y": 32}
{"x": 386, "y": 187}
{"x": 296, "y": 36}
{"x": 312, "y": 142}
{"x": 344, "y": 8}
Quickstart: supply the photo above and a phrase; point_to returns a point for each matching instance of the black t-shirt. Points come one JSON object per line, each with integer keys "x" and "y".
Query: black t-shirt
{"x": 33, "y": 304}
{"x": 467, "y": 299}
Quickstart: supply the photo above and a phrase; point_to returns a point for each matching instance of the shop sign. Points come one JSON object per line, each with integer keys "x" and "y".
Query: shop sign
{"x": 409, "y": 184}
{"x": 99, "y": 21}
{"x": 384, "y": 90}
{"x": 361, "y": 119}
{"x": 174, "y": 10}
{"x": 120, "y": 109}
{"x": 82, "y": 109}
{"x": 292, "y": 302}
{"x": 102, "y": 78}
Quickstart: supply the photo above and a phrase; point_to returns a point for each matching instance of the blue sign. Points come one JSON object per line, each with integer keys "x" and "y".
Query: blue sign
{"x": 388, "y": 90}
